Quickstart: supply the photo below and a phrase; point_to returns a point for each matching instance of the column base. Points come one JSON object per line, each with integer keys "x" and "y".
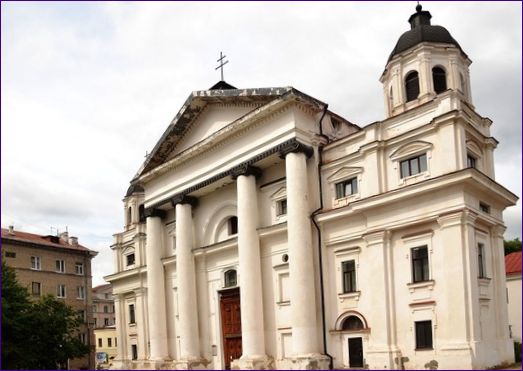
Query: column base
{"x": 190, "y": 364}
{"x": 253, "y": 363}
{"x": 313, "y": 361}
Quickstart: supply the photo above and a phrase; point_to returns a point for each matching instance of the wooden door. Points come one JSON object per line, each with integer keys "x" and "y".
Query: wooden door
{"x": 355, "y": 352}
{"x": 231, "y": 325}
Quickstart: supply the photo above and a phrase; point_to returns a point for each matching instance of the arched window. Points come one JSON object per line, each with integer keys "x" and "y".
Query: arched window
{"x": 439, "y": 78}
{"x": 352, "y": 323}
{"x": 232, "y": 225}
{"x": 462, "y": 84}
{"x": 412, "y": 85}
{"x": 141, "y": 213}
{"x": 129, "y": 215}
{"x": 229, "y": 278}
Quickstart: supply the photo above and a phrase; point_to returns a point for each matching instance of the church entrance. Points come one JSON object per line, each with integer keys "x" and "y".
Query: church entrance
{"x": 231, "y": 325}
{"x": 355, "y": 352}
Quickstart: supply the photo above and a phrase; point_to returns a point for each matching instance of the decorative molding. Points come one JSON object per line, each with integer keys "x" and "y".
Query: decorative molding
{"x": 182, "y": 198}
{"x": 246, "y": 170}
{"x": 295, "y": 147}
{"x": 345, "y": 172}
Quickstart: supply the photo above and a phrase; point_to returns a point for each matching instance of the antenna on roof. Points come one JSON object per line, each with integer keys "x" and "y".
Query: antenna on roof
{"x": 222, "y": 63}
{"x": 57, "y": 231}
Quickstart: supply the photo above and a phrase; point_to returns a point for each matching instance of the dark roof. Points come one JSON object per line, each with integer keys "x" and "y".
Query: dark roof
{"x": 221, "y": 85}
{"x": 47, "y": 241}
{"x": 513, "y": 263}
{"x": 134, "y": 188}
{"x": 422, "y": 31}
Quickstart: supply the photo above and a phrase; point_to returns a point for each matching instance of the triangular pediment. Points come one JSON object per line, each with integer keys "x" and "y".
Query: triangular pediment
{"x": 279, "y": 194}
{"x": 345, "y": 173}
{"x": 411, "y": 148}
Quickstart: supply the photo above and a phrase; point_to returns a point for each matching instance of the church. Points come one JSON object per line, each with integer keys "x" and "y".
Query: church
{"x": 264, "y": 231}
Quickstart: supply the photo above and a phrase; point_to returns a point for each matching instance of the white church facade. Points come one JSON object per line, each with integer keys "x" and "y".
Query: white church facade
{"x": 266, "y": 232}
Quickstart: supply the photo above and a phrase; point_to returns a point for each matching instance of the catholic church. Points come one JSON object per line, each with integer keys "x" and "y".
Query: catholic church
{"x": 264, "y": 231}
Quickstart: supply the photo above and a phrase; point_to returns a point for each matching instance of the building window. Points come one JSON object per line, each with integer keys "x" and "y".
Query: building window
{"x": 100, "y": 343}
{"x": 352, "y": 323}
{"x": 79, "y": 269}
{"x": 484, "y": 207}
{"x": 462, "y": 83}
{"x": 481, "y": 261}
{"x": 130, "y": 259}
{"x": 423, "y": 334}
{"x": 60, "y": 291}
{"x": 60, "y": 266}
{"x": 471, "y": 161}
{"x": 115, "y": 342}
{"x": 346, "y": 188}
{"x": 35, "y": 288}
{"x": 35, "y": 263}
{"x": 94, "y": 308}
{"x": 134, "y": 349}
{"x": 413, "y": 165}
{"x": 82, "y": 337}
{"x": 230, "y": 278}
{"x": 106, "y": 309}
{"x": 141, "y": 213}
{"x": 10, "y": 254}
{"x": 94, "y": 322}
{"x": 131, "y": 313}
{"x": 80, "y": 292}
{"x": 81, "y": 314}
{"x": 129, "y": 215}
{"x": 109, "y": 342}
{"x": 106, "y": 321}
{"x": 439, "y": 79}
{"x": 349, "y": 276}
{"x": 232, "y": 225}
{"x": 412, "y": 85}
{"x": 281, "y": 207}
{"x": 420, "y": 264}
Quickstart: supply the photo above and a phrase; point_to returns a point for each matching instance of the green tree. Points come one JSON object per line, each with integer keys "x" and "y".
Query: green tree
{"x": 512, "y": 245}
{"x": 39, "y": 335}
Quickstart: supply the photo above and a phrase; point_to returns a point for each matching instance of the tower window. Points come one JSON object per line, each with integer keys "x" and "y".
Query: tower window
{"x": 230, "y": 278}
{"x": 412, "y": 85}
{"x": 440, "y": 79}
{"x": 233, "y": 225}
{"x": 129, "y": 215}
{"x": 141, "y": 213}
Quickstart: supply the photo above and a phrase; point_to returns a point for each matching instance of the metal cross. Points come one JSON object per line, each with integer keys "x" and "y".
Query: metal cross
{"x": 222, "y": 63}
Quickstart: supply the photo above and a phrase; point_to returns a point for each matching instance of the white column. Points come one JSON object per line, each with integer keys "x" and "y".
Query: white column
{"x": 139, "y": 295}
{"x": 121, "y": 336}
{"x": 301, "y": 267}
{"x": 156, "y": 289}
{"x": 185, "y": 274}
{"x": 253, "y": 339}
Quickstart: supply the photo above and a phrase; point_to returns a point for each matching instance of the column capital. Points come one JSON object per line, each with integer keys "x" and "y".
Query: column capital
{"x": 295, "y": 147}
{"x": 498, "y": 230}
{"x": 245, "y": 169}
{"x": 139, "y": 291}
{"x": 154, "y": 212}
{"x": 184, "y": 199}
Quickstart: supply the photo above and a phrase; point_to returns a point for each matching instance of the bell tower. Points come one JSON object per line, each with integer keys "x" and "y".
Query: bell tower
{"x": 425, "y": 63}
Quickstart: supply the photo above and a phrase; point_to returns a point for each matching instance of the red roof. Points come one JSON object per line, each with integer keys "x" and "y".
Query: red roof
{"x": 51, "y": 241}
{"x": 513, "y": 263}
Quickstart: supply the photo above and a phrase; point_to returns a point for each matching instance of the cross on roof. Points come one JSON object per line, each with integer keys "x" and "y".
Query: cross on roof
{"x": 222, "y": 63}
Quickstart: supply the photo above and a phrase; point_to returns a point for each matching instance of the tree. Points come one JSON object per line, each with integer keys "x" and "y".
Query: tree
{"x": 39, "y": 335}
{"x": 512, "y": 245}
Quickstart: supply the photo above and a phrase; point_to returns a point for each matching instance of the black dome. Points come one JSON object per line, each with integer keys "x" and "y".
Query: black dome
{"x": 422, "y": 31}
{"x": 134, "y": 188}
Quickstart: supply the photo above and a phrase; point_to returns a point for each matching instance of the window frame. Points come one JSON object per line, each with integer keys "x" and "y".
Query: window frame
{"x": 340, "y": 188}
{"x": 127, "y": 256}
{"x": 60, "y": 266}
{"x": 411, "y": 77}
{"x": 61, "y": 291}
{"x": 80, "y": 271}
{"x": 109, "y": 342}
{"x": 409, "y": 162}
{"x": 134, "y": 351}
{"x": 100, "y": 343}
{"x": 39, "y": 285}
{"x": 482, "y": 267}
{"x": 472, "y": 161}
{"x": 80, "y": 292}
{"x": 281, "y": 207}
{"x": 348, "y": 276}
{"x": 425, "y": 340}
{"x": 226, "y": 278}
{"x": 442, "y": 76}
{"x": 132, "y": 314}
{"x": 232, "y": 225}
{"x": 423, "y": 260}
{"x": 36, "y": 263}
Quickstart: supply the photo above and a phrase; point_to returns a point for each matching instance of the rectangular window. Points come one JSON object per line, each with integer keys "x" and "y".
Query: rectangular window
{"x": 481, "y": 261}
{"x": 130, "y": 259}
{"x": 420, "y": 264}
{"x": 484, "y": 207}
{"x": 115, "y": 342}
{"x": 81, "y": 314}
{"x": 106, "y": 321}
{"x": 281, "y": 207}
{"x": 233, "y": 225}
{"x": 35, "y": 288}
{"x": 100, "y": 342}
{"x": 423, "y": 335}
{"x": 471, "y": 161}
{"x": 82, "y": 337}
{"x": 10, "y": 254}
{"x": 109, "y": 342}
{"x": 79, "y": 269}
{"x": 60, "y": 291}
{"x": 346, "y": 188}
{"x": 413, "y": 166}
{"x": 349, "y": 276}
{"x": 106, "y": 309}
{"x": 131, "y": 313}
{"x": 94, "y": 322}
{"x": 35, "y": 263}
{"x": 60, "y": 266}
{"x": 94, "y": 308}
{"x": 134, "y": 349}
{"x": 80, "y": 292}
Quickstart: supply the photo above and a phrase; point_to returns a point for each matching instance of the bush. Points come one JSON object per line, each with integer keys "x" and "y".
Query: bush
{"x": 517, "y": 351}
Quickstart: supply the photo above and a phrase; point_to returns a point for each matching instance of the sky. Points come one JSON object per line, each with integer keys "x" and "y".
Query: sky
{"x": 88, "y": 87}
